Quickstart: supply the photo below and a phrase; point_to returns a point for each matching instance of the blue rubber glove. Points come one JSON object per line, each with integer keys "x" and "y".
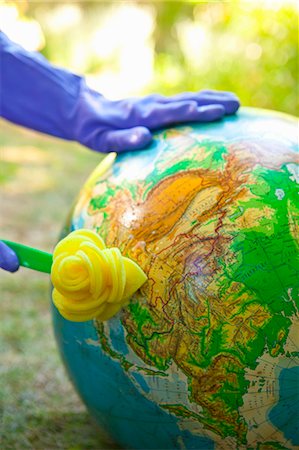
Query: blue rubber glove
{"x": 37, "y": 95}
{"x": 8, "y": 259}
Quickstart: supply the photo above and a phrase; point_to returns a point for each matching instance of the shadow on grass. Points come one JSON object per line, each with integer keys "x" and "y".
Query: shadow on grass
{"x": 67, "y": 431}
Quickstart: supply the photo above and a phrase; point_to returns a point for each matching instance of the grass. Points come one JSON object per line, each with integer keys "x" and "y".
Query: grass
{"x": 39, "y": 409}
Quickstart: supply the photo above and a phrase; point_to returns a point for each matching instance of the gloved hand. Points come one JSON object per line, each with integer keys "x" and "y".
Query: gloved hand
{"x": 105, "y": 125}
{"x": 8, "y": 259}
{"x": 45, "y": 98}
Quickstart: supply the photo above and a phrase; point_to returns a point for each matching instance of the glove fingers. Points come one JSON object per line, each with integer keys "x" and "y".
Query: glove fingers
{"x": 230, "y": 103}
{"x": 210, "y": 113}
{"x": 8, "y": 259}
{"x": 216, "y": 93}
{"x": 123, "y": 140}
{"x": 160, "y": 115}
{"x": 228, "y": 100}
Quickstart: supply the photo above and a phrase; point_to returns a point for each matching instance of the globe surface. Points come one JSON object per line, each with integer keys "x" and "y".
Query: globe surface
{"x": 206, "y": 353}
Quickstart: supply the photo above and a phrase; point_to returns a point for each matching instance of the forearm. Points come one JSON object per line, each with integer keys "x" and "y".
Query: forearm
{"x": 35, "y": 94}
{"x": 40, "y": 96}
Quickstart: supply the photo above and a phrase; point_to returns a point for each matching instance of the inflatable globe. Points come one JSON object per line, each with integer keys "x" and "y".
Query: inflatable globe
{"x": 205, "y": 355}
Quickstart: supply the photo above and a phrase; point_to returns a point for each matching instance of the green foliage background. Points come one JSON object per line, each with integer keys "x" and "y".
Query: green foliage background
{"x": 252, "y": 46}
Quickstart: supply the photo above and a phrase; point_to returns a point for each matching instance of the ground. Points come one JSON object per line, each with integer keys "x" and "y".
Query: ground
{"x": 39, "y": 180}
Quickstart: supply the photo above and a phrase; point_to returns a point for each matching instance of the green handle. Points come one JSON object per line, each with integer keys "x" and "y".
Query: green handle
{"x": 31, "y": 257}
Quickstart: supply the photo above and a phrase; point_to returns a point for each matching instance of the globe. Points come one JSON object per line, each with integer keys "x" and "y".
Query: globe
{"x": 205, "y": 355}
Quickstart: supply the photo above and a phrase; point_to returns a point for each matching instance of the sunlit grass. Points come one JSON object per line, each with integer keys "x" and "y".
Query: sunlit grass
{"x": 39, "y": 408}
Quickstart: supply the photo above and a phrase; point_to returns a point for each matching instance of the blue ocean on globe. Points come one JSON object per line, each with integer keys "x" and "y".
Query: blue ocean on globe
{"x": 205, "y": 355}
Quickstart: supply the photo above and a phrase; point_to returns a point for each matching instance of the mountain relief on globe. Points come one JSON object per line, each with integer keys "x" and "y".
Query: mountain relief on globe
{"x": 213, "y": 225}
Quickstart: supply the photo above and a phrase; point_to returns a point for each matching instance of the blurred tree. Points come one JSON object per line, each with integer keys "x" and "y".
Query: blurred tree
{"x": 247, "y": 47}
{"x": 238, "y": 46}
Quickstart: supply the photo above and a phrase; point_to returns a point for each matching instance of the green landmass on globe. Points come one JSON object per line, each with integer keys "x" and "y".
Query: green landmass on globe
{"x": 206, "y": 354}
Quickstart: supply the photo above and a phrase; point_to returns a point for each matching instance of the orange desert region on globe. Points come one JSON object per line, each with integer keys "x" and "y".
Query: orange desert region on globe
{"x": 205, "y": 354}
